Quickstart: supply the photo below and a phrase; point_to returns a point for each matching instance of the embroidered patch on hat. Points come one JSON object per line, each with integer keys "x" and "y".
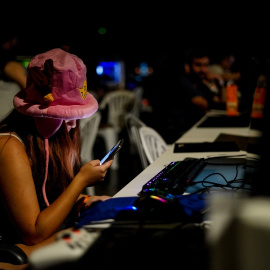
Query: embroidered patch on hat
{"x": 83, "y": 90}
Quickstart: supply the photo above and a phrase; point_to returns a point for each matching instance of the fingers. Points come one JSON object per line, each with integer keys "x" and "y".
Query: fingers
{"x": 95, "y": 171}
{"x": 95, "y": 162}
{"x": 105, "y": 166}
{"x": 102, "y": 177}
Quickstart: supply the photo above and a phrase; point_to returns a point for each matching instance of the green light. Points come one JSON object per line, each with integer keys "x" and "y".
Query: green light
{"x": 102, "y": 30}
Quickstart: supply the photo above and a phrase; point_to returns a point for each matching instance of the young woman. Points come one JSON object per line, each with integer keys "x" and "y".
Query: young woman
{"x": 41, "y": 175}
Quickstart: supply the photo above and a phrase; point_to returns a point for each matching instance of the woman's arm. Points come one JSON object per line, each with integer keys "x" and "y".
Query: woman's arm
{"x": 19, "y": 194}
{"x": 16, "y": 72}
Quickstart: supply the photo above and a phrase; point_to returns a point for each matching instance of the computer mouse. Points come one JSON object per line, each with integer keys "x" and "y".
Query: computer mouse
{"x": 155, "y": 204}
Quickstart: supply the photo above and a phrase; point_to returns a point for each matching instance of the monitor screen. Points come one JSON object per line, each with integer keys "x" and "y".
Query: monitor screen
{"x": 111, "y": 73}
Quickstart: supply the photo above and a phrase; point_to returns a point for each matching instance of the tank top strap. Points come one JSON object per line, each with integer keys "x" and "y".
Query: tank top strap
{"x": 13, "y": 135}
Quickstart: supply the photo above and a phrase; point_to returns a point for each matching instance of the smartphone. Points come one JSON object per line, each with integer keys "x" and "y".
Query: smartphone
{"x": 113, "y": 151}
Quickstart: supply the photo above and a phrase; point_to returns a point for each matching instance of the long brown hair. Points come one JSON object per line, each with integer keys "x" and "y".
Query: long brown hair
{"x": 64, "y": 153}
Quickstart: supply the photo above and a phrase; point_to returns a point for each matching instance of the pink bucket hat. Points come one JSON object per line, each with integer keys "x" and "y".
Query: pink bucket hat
{"x": 56, "y": 90}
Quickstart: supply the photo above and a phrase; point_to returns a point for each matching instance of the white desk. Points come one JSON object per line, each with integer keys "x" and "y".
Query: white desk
{"x": 195, "y": 134}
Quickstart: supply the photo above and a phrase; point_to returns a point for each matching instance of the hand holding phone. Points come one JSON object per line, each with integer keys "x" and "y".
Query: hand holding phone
{"x": 113, "y": 151}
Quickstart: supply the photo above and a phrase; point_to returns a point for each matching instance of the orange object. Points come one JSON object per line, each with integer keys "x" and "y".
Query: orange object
{"x": 258, "y": 102}
{"x": 232, "y": 99}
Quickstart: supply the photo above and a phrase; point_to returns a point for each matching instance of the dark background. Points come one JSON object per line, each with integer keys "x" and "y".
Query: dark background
{"x": 141, "y": 31}
{"x": 138, "y": 30}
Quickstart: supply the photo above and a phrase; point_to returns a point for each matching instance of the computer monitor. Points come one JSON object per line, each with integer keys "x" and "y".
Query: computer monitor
{"x": 111, "y": 73}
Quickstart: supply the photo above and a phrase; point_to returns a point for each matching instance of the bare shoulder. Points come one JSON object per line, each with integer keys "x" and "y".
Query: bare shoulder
{"x": 10, "y": 145}
{"x": 9, "y": 136}
{"x": 14, "y": 161}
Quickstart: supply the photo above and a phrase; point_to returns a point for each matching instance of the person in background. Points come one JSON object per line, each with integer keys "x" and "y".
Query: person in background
{"x": 41, "y": 174}
{"x": 196, "y": 91}
{"x": 10, "y": 69}
{"x": 198, "y": 85}
{"x": 224, "y": 66}
{"x": 199, "y": 88}
{"x": 12, "y": 73}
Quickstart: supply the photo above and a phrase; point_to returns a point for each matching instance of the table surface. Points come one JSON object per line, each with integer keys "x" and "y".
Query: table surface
{"x": 195, "y": 134}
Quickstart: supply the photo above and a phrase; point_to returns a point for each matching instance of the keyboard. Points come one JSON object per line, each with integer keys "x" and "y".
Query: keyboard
{"x": 175, "y": 177}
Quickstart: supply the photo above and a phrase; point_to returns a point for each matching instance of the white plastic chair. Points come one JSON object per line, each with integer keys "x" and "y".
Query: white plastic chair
{"x": 133, "y": 124}
{"x": 119, "y": 103}
{"x": 138, "y": 93}
{"x": 137, "y": 140}
{"x": 153, "y": 144}
{"x": 89, "y": 129}
{"x": 132, "y": 120}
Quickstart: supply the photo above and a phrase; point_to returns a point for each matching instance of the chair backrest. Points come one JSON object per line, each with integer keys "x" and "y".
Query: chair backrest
{"x": 153, "y": 144}
{"x": 138, "y": 93}
{"x": 89, "y": 129}
{"x": 119, "y": 102}
{"x": 130, "y": 121}
{"x": 138, "y": 144}
{"x": 133, "y": 123}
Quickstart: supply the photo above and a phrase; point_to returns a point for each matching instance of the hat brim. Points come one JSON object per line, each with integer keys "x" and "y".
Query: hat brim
{"x": 63, "y": 112}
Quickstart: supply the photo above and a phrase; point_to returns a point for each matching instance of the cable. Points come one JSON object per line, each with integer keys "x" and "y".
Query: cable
{"x": 46, "y": 172}
{"x": 229, "y": 183}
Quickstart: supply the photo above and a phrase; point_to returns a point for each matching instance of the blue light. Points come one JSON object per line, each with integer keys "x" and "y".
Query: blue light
{"x": 131, "y": 207}
{"x": 144, "y": 69}
{"x": 99, "y": 70}
{"x": 111, "y": 69}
